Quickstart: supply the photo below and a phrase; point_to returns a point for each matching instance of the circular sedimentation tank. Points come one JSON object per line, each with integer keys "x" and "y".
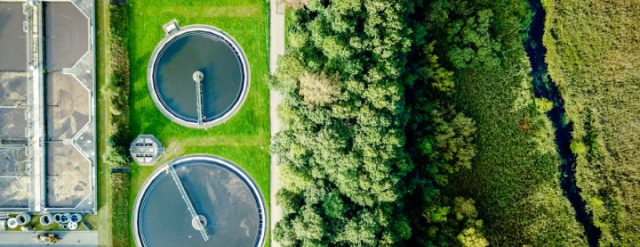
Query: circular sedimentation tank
{"x": 198, "y": 76}
{"x": 199, "y": 195}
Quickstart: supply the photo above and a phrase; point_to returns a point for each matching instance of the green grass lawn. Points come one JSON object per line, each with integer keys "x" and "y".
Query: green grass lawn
{"x": 244, "y": 139}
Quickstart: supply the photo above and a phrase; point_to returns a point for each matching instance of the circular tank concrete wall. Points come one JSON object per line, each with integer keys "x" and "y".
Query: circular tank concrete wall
{"x": 222, "y": 83}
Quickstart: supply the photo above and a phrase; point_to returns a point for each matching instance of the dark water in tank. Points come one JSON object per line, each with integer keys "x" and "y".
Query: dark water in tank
{"x": 208, "y": 53}
{"x": 216, "y": 192}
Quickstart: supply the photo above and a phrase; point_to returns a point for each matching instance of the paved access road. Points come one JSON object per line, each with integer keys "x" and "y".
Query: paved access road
{"x": 276, "y": 50}
{"x": 69, "y": 238}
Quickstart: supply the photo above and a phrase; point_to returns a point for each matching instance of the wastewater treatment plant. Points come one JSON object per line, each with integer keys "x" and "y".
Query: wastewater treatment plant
{"x": 287, "y": 123}
{"x": 198, "y": 78}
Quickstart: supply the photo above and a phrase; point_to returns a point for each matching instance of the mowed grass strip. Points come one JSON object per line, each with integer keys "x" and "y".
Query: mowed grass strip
{"x": 244, "y": 139}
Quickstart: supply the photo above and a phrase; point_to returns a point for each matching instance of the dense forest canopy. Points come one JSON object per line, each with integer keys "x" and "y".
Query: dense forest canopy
{"x": 414, "y": 123}
{"x": 368, "y": 126}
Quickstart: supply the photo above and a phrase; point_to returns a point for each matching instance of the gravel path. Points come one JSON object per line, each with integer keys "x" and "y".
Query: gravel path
{"x": 276, "y": 49}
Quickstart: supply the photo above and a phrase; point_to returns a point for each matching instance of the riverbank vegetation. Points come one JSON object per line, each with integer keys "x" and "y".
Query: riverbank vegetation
{"x": 515, "y": 175}
{"x": 425, "y": 132}
{"x": 593, "y": 56}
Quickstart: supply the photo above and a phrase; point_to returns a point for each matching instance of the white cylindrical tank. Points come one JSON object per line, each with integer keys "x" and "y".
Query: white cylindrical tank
{"x": 73, "y": 225}
{"x": 23, "y": 219}
{"x": 12, "y": 223}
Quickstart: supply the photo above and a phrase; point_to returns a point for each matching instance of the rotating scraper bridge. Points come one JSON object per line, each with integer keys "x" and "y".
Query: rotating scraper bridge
{"x": 47, "y": 109}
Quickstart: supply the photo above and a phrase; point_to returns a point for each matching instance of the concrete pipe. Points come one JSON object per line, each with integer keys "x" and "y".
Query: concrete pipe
{"x": 57, "y": 218}
{"x": 199, "y": 222}
{"x": 23, "y": 219}
{"x": 20, "y": 220}
{"x": 63, "y": 226}
{"x": 64, "y": 218}
{"x": 46, "y": 220}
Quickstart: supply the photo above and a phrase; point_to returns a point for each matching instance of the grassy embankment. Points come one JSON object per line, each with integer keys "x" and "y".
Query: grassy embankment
{"x": 515, "y": 175}
{"x": 594, "y": 57}
{"x": 244, "y": 139}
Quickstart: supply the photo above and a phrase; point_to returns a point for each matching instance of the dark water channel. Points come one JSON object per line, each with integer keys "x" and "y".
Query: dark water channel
{"x": 545, "y": 88}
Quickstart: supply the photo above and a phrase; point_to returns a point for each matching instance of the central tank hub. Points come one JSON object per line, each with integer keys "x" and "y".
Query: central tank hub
{"x": 198, "y": 76}
{"x": 199, "y": 222}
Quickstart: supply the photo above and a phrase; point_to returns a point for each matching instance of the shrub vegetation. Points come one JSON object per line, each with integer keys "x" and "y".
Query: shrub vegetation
{"x": 117, "y": 153}
{"x": 118, "y": 142}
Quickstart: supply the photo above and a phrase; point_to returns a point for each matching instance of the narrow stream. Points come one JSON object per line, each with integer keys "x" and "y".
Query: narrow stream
{"x": 545, "y": 88}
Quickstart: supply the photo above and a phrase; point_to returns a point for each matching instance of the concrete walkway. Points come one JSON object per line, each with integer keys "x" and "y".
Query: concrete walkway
{"x": 276, "y": 49}
{"x": 69, "y": 238}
